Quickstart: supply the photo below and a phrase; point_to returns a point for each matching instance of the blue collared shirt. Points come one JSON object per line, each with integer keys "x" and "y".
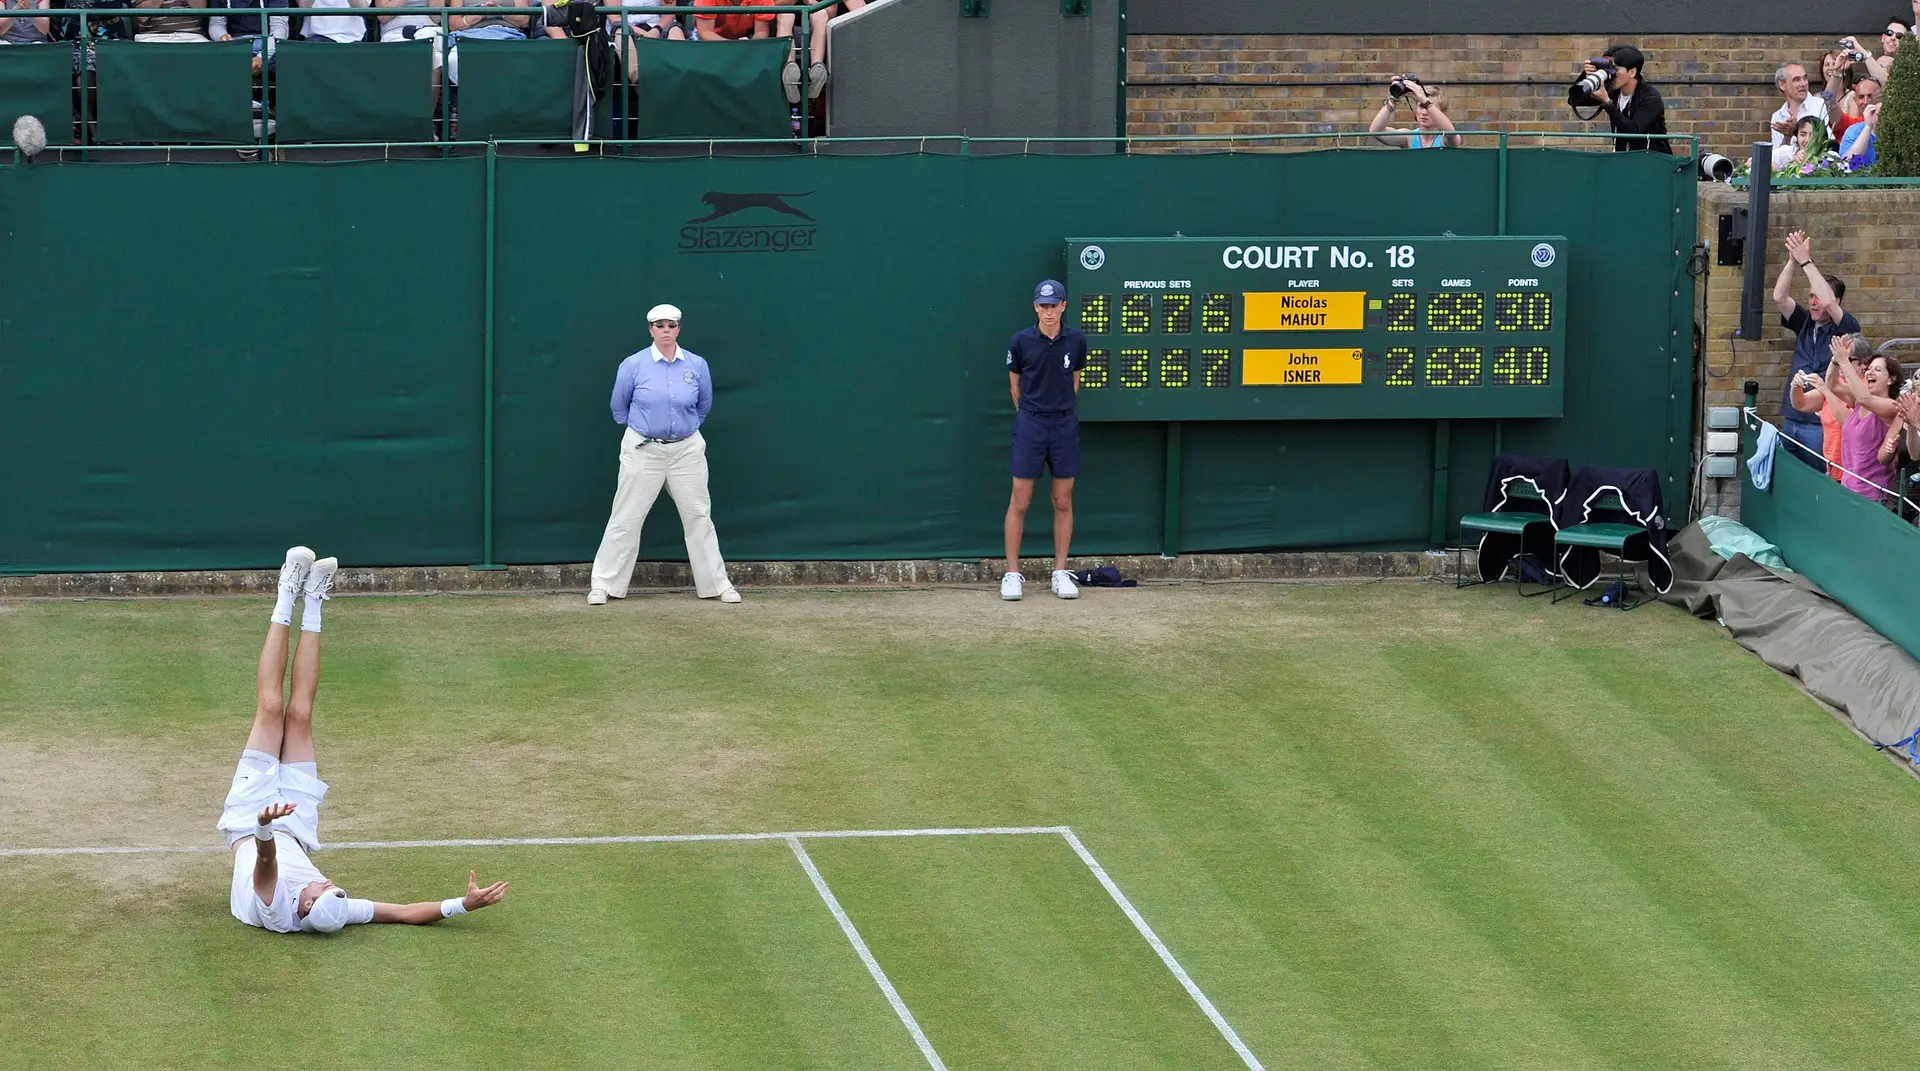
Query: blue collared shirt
{"x": 663, "y": 399}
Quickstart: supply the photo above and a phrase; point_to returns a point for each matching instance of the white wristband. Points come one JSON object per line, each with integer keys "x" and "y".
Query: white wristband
{"x": 263, "y": 832}
{"x": 455, "y": 905}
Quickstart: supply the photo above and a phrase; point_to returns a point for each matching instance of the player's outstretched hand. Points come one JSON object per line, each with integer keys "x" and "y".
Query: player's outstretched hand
{"x": 274, "y": 810}
{"x": 478, "y": 898}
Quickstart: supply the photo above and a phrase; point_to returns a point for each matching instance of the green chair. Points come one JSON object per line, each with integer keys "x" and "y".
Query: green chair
{"x": 1624, "y": 541}
{"x": 1528, "y": 523}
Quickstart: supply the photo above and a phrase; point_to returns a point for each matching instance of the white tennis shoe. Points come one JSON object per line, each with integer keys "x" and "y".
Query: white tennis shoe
{"x": 1064, "y": 586}
{"x": 319, "y": 580}
{"x": 596, "y": 597}
{"x": 1010, "y": 585}
{"x": 293, "y": 574}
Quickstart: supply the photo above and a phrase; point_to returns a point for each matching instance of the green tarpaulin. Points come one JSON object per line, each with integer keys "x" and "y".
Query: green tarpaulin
{"x": 175, "y": 93}
{"x": 708, "y": 89}
{"x": 379, "y": 91}
{"x": 517, "y": 89}
{"x": 38, "y": 81}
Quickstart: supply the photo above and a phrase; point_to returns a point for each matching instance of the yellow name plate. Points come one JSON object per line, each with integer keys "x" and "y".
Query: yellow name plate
{"x": 1300, "y": 368}
{"x": 1307, "y": 310}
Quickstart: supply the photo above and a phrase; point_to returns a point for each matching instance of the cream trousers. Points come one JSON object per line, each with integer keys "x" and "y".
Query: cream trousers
{"x": 644, "y": 468}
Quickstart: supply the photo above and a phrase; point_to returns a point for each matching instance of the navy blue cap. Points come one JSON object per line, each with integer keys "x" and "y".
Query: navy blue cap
{"x": 1049, "y": 292}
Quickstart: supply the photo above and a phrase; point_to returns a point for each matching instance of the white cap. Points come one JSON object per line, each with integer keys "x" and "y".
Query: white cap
{"x": 664, "y": 312}
{"x": 328, "y": 913}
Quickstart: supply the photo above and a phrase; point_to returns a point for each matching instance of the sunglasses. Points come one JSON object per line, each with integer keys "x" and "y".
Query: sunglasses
{"x": 1893, "y": 33}
{"x": 666, "y": 323}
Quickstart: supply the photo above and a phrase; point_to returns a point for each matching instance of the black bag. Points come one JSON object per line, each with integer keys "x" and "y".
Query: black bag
{"x": 588, "y": 28}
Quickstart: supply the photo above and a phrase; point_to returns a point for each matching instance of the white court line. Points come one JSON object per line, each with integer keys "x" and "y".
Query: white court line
{"x": 1166, "y": 957}
{"x": 563, "y": 842}
{"x": 866, "y": 956}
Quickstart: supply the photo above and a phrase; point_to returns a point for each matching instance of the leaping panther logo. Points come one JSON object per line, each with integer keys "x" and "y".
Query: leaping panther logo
{"x": 726, "y": 204}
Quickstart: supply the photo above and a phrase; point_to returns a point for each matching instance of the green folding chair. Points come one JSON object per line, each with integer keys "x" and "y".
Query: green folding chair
{"x": 1615, "y": 539}
{"x": 1521, "y": 523}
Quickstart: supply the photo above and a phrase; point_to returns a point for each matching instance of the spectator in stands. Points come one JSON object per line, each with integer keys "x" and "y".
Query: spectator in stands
{"x": 1814, "y": 326}
{"x": 1829, "y": 397}
{"x": 657, "y": 27}
{"x": 247, "y": 27}
{"x": 1431, "y": 130}
{"x": 1791, "y": 79}
{"x": 1869, "y": 427}
{"x": 733, "y": 27}
{"x": 170, "y": 29}
{"x": 1852, "y": 106}
{"x": 816, "y": 49}
{"x": 401, "y": 26}
{"x": 1857, "y": 148}
{"x": 1633, "y": 105}
{"x": 1909, "y": 405}
{"x": 335, "y": 29}
{"x": 1898, "y": 26}
{"x": 1806, "y": 148}
{"x": 483, "y": 26}
{"x": 22, "y": 29}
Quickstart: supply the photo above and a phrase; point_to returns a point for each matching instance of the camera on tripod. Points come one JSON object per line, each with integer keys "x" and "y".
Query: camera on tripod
{"x": 1582, "y": 90}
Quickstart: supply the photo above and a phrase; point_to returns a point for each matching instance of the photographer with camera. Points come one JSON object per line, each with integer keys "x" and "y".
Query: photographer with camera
{"x": 1431, "y": 130}
{"x": 1633, "y": 106}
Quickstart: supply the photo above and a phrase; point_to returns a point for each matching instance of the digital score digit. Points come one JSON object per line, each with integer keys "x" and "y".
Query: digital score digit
{"x": 1216, "y": 314}
{"x": 1176, "y": 314}
{"x": 1216, "y": 367}
{"x": 1522, "y": 366}
{"x": 1134, "y": 370}
{"x": 1453, "y": 366}
{"x": 1402, "y": 312}
{"x": 1096, "y": 314}
{"x": 1523, "y": 310}
{"x": 1174, "y": 366}
{"x": 1456, "y": 310}
{"x": 1399, "y": 365}
{"x": 1136, "y": 314}
{"x": 1093, "y": 374}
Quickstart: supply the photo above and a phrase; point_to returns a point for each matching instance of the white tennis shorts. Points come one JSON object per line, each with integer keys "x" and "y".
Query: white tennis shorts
{"x": 261, "y": 779}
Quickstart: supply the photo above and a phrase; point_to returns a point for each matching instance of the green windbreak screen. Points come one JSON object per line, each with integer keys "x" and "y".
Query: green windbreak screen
{"x": 516, "y": 89}
{"x": 378, "y": 91}
{"x": 855, "y": 312}
{"x": 175, "y": 92}
{"x": 38, "y": 81}
{"x": 1857, "y": 550}
{"x": 706, "y": 89}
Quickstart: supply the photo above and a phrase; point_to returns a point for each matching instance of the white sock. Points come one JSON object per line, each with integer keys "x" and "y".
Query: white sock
{"x": 283, "y": 609}
{"x": 309, "y": 614}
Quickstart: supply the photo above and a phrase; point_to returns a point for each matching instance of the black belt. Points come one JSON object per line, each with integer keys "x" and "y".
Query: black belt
{"x": 648, "y": 440}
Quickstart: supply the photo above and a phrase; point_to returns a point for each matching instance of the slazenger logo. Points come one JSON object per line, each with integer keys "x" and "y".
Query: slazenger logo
{"x": 752, "y": 233}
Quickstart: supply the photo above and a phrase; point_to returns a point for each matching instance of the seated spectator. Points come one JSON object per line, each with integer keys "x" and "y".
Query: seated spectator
{"x": 247, "y": 27}
{"x": 1431, "y": 130}
{"x": 816, "y": 49}
{"x": 400, "y": 26}
{"x": 1808, "y": 146}
{"x": 22, "y": 29}
{"x": 335, "y": 29}
{"x": 1853, "y": 106}
{"x": 1829, "y": 396}
{"x": 170, "y": 29}
{"x": 483, "y": 26}
{"x": 1791, "y": 79}
{"x": 1869, "y": 425}
{"x": 733, "y": 27}
{"x": 658, "y": 27}
{"x": 1857, "y": 148}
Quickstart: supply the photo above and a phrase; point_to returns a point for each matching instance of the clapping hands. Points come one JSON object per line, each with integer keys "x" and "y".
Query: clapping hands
{"x": 1800, "y": 248}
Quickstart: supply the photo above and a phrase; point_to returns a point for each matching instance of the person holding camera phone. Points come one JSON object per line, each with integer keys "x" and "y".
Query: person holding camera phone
{"x": 1431, "y": 130}
{"x": 1633, "y": 106}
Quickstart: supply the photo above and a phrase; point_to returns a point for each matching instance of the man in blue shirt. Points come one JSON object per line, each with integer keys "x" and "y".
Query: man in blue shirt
{"x": 661, "y": 394}
{"x": 1813, "y": 325}
{"x": 1043, "y": 374}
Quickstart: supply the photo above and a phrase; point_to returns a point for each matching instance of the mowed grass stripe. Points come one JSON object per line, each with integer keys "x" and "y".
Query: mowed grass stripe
{"x": 1011, "y": 955}
{"x": 658, "y": 956}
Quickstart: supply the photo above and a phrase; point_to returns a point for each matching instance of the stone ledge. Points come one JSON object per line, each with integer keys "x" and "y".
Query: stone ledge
{"x": 1308, "y": 565}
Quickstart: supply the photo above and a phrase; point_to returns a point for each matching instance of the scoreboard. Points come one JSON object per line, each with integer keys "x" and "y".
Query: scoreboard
{"x": 1319, "y": 328}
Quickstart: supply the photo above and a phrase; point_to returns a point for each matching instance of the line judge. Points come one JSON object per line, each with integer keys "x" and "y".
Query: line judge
{"x": 662, "y": 395}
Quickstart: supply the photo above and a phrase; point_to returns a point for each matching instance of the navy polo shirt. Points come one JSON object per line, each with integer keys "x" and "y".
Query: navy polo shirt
{"x": 1046, "y": 367}
{"x": 1812, "y": 349}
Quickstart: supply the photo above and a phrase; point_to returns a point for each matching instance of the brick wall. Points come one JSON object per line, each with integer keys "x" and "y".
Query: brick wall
{"x": 1719, "y": 88}
{"x": 1870, "y": 238}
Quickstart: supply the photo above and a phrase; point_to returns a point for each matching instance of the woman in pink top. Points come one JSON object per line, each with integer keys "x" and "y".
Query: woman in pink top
{"x": 1867, "y": 427}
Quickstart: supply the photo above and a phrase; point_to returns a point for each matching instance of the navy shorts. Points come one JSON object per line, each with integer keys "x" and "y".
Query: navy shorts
{"x": 1045, "y": 443}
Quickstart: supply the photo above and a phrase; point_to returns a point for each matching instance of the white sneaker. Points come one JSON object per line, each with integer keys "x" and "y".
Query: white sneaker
{"x": 1064, "y": 586}
{"x": 596, "y": 597}
{"x": 790, "y": 80}
{"x": 293, "y": 574}
{"x": 320, "y": 579}
{"x": 1010, "y": 585}
{"x": 816, "y": 81}
{"x": 730, "y": 595}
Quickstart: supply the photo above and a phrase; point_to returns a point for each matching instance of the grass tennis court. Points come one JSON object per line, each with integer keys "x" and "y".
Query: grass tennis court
{"x": 1383, "y": 825}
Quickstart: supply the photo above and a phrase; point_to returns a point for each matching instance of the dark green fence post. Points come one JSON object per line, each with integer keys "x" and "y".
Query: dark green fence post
{"x": 486, "y": 351}
{"x": 1442, "y": 454}
{"x": 1170, "y": 507}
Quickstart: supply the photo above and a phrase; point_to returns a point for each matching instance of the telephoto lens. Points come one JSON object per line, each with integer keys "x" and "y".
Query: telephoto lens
{"x": 1582, "y": 91}
{"x": 1715, "y": 167}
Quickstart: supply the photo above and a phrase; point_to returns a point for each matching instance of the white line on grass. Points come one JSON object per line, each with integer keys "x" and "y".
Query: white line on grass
{"x": 563, "y": 842}
{"x": 866, "y": 956}
{"x": 1166, "y": 956}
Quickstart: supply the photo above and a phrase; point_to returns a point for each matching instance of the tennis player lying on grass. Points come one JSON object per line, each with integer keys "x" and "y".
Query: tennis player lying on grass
{"x": 272, "y": 813}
